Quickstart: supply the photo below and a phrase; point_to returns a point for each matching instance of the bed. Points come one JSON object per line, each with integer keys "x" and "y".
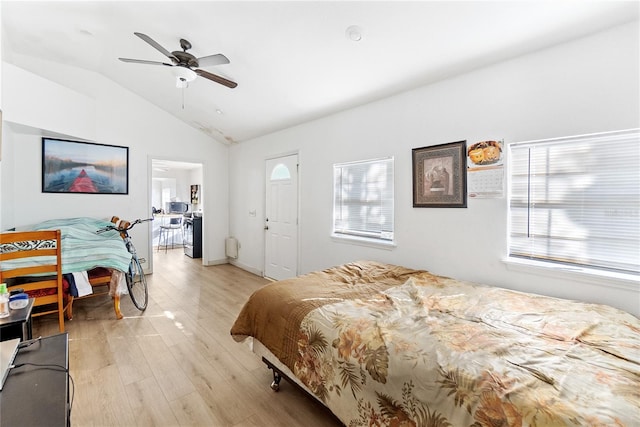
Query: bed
{"x": 381, "y": 344}
{"x": 89, "y": 260}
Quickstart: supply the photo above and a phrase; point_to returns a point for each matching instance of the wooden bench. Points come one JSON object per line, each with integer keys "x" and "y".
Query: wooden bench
{"x": 100, "y": 280}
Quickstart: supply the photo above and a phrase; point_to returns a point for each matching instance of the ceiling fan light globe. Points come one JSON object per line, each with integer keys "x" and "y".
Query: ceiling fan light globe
{"x": 184, "y": 73}
{"x": 181, "y": 83}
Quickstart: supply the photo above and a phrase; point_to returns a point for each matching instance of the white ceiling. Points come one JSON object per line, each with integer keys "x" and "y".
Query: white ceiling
{"x": 292, "y": 60}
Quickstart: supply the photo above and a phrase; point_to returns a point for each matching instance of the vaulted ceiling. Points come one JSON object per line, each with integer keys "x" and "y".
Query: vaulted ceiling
{"x": 294, "y": 61}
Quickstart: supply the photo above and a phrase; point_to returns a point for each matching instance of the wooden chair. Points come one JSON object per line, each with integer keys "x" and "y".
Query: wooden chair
{"x": 43, "y": 278}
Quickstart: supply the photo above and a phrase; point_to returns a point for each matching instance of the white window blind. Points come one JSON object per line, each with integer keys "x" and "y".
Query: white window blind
{"x": 363, "y": 199}
{"x": 576, "y": 201}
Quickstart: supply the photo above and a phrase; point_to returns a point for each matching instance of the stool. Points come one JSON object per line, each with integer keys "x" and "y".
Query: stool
{"x": 174, "y": 225}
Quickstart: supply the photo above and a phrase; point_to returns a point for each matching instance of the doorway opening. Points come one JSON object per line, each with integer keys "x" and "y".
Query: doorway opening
{"x": 176, "y": 195}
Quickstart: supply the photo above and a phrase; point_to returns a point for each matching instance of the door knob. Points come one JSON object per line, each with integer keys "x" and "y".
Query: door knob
{"x": 266, "y": 227}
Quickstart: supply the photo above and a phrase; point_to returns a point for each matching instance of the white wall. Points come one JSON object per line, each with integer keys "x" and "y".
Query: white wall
{"x": 36, "y": 106}
{"x": 586, "y": 86}
{"x": 178, "y": 181}
{"x": 1, "y": 120}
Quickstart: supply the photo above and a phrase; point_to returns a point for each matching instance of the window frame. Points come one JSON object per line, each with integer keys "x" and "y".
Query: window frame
{"x": 583, "y": 272}
{"x": 342, "y": 235}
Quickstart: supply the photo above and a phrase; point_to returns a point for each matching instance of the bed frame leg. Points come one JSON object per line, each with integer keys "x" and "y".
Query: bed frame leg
{"x": 277, "y": 375}
{"x": 275, "y": 385}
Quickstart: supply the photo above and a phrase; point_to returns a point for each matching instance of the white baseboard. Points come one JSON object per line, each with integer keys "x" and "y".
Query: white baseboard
{"x": 216, "y": 262}
{"x": 235, "y": 263}
{"x": 245, "y": 267}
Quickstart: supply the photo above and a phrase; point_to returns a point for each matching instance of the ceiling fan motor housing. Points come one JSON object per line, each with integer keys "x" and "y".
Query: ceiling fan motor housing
{"x": 186, "y": 59}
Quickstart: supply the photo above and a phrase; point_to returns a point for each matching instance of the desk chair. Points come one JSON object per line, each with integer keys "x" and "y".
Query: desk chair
{"x": 175, "y": 224}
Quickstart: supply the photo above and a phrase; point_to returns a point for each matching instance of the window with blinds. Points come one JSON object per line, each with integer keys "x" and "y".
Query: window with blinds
{"x": 576, "y": 201}
{"x": 363, "y": 199}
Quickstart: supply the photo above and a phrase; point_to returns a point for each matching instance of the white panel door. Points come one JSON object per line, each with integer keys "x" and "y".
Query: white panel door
{"x": 281, "y": 218}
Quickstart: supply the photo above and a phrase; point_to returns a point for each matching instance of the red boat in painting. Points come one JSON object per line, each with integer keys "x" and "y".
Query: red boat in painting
{"x": 83, "y": 184}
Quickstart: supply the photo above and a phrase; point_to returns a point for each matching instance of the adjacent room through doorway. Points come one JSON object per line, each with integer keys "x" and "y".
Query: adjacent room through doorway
{"x": 177, "y": 206}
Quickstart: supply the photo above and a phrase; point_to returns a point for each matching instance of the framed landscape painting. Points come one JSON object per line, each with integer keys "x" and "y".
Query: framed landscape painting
{"x": 440, "y": 176}
{"x": 84, "y": 167}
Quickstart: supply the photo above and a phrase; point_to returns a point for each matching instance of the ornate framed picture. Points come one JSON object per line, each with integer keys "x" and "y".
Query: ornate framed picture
{"x": 440, "y": 176}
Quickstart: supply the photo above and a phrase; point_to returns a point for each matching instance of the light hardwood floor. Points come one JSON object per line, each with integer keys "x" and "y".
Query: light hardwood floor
{"x": 176, "y": 364}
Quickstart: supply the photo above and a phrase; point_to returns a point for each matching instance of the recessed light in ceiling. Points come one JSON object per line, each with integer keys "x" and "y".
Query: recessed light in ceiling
{"x": 354, "y": 33}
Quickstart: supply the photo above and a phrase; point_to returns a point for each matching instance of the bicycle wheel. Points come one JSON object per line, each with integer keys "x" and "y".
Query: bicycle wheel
{"x": 137, "y": 285}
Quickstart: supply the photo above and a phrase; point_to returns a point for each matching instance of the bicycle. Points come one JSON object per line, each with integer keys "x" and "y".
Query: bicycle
{"x": 136, "y": 281}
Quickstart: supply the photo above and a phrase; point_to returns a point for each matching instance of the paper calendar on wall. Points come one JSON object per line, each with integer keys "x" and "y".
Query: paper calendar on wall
{"x": 485, "y": 169}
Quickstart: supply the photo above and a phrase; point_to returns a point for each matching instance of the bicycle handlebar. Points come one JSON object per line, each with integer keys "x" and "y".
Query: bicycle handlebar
{"x": 113, "y": 227}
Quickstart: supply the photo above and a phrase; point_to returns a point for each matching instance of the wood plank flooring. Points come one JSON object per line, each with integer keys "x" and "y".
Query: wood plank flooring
{"x": 176, "y": 364}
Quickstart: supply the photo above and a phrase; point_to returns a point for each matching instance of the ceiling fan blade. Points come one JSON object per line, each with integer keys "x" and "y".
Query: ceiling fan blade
{"x": 157, "y": 45}
{"x": 144, "y": 61}
{"x": 217, "y": 79}
{"x": 211, "y": 60}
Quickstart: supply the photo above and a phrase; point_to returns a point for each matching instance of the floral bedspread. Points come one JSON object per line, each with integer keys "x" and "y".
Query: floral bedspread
{"x": 434, "y": 351}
